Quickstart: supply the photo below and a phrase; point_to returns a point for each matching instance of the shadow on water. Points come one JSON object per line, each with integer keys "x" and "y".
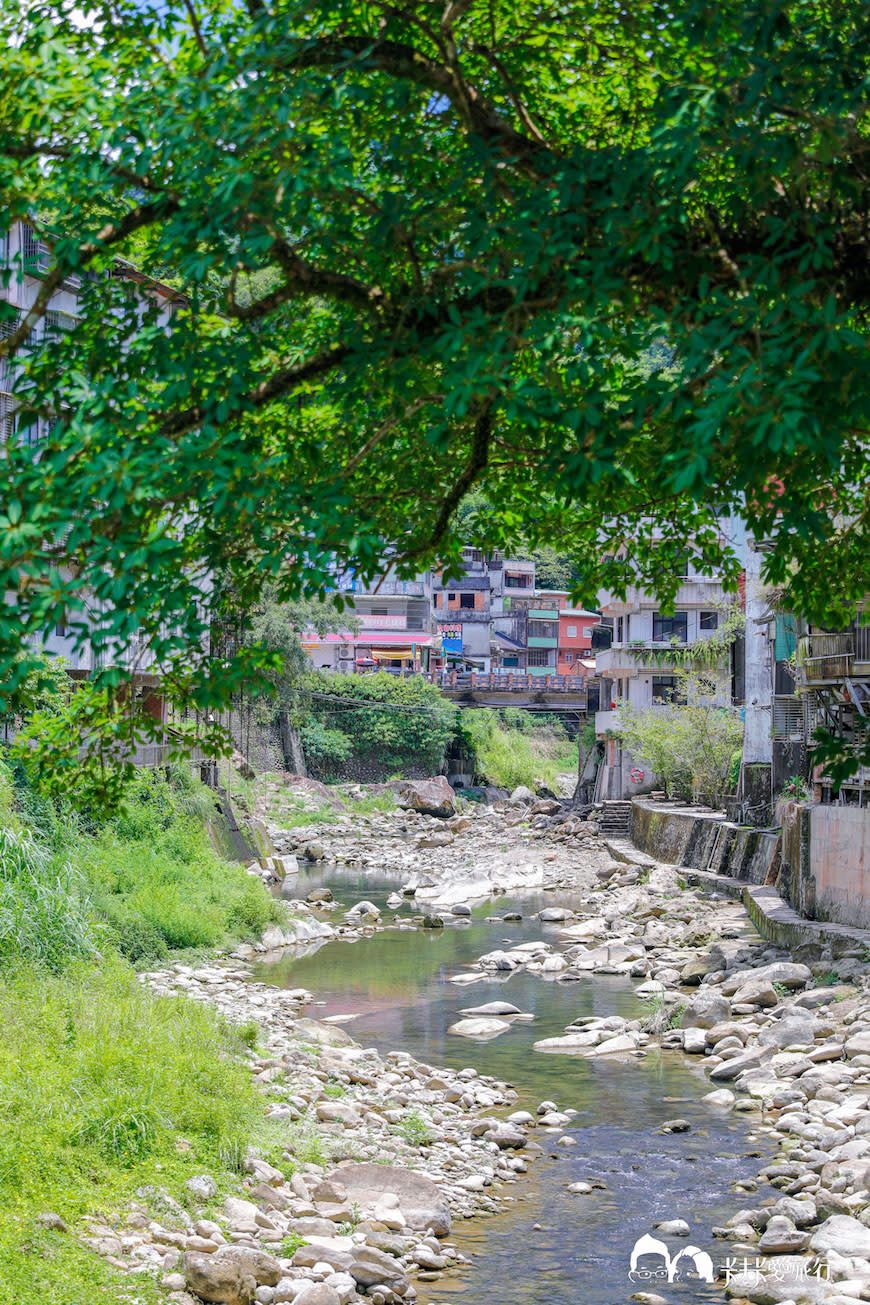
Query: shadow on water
{"x": 549, "y": 1246}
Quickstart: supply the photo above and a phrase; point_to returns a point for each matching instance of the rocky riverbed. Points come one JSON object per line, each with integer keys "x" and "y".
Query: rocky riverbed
{"x": 381, "y": 1154}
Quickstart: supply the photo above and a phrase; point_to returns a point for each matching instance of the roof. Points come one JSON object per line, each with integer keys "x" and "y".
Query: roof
{"x": 514, "y": 643}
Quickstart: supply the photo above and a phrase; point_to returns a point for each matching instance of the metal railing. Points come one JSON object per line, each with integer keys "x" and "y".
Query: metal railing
{"x": 506, "y": 683}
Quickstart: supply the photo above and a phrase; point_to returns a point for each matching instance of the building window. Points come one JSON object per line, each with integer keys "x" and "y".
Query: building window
{"x": 538, "y": 657}
{"x": 569, "y": 657}
{"x": 620, "y": 629}
{"x": 466, "y": 600}
{"x": 664, "y": 689}
{"x": 709, "y": 620}
{"x": 451, "y": 598}
{"x": 668, "y": 629}
{"x": 515, "y": 580}
{"x": 571, "y": 631}
{"x": 510, "y": 661}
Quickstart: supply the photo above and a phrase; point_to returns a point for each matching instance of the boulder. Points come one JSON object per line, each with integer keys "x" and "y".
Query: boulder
{"x": 221, "y": 1281}
{"x": 706, "y": 1009}
{"x": 431, "y": 797}
{"x": 497, "y": 1008}
{"x": 315, "y": 1293}
{"x": 843, "y": 1234}
{"x": 370, "y": 1267}
{"x": 729, "y": 1069}
{"x": 420, "y": 1200}
{"x": 757, "y": 992}
{"x": 521, "y": 795}
{"x": 327, "y": 1035}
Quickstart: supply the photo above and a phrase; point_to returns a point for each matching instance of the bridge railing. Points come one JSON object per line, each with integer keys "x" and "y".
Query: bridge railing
{"x": 506, "y": 683}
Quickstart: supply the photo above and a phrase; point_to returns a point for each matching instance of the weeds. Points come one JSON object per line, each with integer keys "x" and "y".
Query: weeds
{"x": 415, "y": 1130}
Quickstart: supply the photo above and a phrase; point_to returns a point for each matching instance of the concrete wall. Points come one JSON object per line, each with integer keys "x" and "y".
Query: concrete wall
{"x": 826, "y": 862}
{"x": 702, "y": 841}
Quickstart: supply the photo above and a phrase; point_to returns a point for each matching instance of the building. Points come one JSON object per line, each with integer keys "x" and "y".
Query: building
{"x": 634, "y": 669}
{"x": 394, "y": 627}
{"x": 575, "y": 640}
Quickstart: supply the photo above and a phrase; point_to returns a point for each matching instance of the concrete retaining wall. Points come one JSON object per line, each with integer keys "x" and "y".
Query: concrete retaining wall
{"x": 826, "y": 862}
{"x": 702, "y": 840}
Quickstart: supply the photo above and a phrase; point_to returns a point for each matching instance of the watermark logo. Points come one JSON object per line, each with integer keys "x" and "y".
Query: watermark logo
{"x": 652, "y": 1261}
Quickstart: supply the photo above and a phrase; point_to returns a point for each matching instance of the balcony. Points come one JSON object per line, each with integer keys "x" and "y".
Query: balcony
{"x": 696, "y": 591}
{"x": 607, "y": 722}
{"x": 542, "y": 641}
{"x": 543, "y": 614}
{"x": 389, "y": 588}
{"x": 825, "y": 658}
{"x": 643, "y": 655}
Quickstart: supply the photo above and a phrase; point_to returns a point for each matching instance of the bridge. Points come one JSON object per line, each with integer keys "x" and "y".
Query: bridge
{"x": 537, "y": 692}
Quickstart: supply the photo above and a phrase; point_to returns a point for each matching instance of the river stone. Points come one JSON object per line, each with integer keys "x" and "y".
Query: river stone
{"x": 502, "y": 1008}
{"x": 729, "y": 1069}
{"x": 781, "y": 1237}
{"x": 790, "y": 1031}
{"x": 720, "y": 1097}
{"x": 327, "y": 1035}
{"x": 371, "y": 1266}
{"x": 431, "y": 797}
{"x": 757, "y": 992}
{"x": 843, "y": 1234}
{"x": 461, "y": 908}
{"x": 554, "y": 914}
{"x": 202, "y": 1186}
{"x": 622, "y": 1043}
{"x": 315, "y": 1293}
{"x": 787, "y": 973}
{"x": 693, "y": 972}
{"x": 858, "y": 1045}
{"x": 365, "y": 908}
{"x": 521, "y": 794}
{"x": 705, "y": 1010}
{"x": 694, "y": 1042}
{"x": 221, "y": 1281}
{"x": 479, "y": 1027}
{"x": 420, "y": 1200}
{"x": 432, "y": 921}
{"x": 572, "y": 1044}
{"x": 262, "y": 1266}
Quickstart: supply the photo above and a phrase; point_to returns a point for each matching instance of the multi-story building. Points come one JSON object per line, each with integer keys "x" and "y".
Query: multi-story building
{"x": 394, "y": 627}
{"x": 575, "y": 640}
{"x": 634, "y": 667}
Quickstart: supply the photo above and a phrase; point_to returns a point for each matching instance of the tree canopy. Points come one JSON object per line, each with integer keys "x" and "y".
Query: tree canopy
{"x": 425, "y": 247}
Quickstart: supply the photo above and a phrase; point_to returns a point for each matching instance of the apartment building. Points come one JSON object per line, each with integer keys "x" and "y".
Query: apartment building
{"x": 634, "y": 669}
{"x": 394, "y": 631}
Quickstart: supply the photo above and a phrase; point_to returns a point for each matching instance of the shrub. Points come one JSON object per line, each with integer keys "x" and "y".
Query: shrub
{"x": 512, "y": 747}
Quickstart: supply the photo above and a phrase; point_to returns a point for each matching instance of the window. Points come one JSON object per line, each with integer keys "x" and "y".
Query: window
{"x": 466, "y": 600}
{"x": 669, "y": 628}
{"x": 538, "y": 657}
{"x": 664, "y": 689}
{"x": 620, "y": 629}
{"x": 571, "y": 631}
{"x": 451, "y": 598}
{"x": 709, "y": 620}
{"x": 379, "y": 611}
{"x": 510, "y": 661}
{"x": 569, "y": 657}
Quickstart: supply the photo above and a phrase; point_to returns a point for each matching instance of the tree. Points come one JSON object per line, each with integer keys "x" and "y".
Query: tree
{"x": 689, "y": 741}
{"x": 425, "y": 248}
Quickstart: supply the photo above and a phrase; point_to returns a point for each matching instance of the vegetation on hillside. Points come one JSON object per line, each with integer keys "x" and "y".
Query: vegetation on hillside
{"x": 512, "y": 747}
{"x": 374, "y": 726}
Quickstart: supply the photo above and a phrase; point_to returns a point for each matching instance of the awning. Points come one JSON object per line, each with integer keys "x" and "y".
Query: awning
{"x": 392, "y": 655}
{"x": 506, "y": 638}
{"x": 386, "y": 639}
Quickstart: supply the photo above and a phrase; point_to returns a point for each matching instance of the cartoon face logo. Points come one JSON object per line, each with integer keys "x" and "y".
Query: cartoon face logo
{"x": 691, "y": 1265}
{"x": 651, "y": 1262}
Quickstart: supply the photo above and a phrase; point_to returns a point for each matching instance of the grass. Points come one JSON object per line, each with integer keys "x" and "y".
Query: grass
{"x": 512, "y": 752}
{"x": 104, "y": 1089}
{"x": 157, "y": 882}
{"x": 415, "y": 1130}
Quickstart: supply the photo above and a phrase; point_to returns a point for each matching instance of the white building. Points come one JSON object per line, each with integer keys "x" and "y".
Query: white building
{"x": 634, "y": 668}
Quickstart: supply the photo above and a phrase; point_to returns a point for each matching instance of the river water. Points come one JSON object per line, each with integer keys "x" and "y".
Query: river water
{"x": 548, "y": 1246}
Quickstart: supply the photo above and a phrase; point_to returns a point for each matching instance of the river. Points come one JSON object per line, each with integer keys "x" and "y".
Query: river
{"x": 547, "y": 1246}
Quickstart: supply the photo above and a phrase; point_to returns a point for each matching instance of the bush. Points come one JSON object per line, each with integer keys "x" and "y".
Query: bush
{"x": 393, "y": 725}
{"x": 157, "y": 880}
{"x": 511, "y": 752}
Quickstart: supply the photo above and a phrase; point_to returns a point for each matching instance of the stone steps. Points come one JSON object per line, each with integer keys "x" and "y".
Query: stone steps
{"x": 615, "y": 818}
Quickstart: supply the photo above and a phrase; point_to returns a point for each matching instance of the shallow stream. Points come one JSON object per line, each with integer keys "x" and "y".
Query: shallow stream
{"x": 547, "y": 1246}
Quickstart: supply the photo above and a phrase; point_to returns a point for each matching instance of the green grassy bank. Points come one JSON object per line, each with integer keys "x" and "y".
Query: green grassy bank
{"x": 105, "y": 1090}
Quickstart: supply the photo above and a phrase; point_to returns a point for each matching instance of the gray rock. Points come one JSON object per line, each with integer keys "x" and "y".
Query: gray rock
{"x": 202, "y": 1186}
{"x": 316, "y": 1293}
{"x": 420, "y": 1200}
{"x": 498, "y": 1008}
{"x": 479, "y": 1027}
{"x": 843, "y": 1234}
{"x": 705, "y": 1010}
{"x": 371, "y": 1266}
{"x": 221, "y": 1281}
{"x": 431, "y": 797}
{"x": 521, "y": 795}
{"x": 729, "y": 1069}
